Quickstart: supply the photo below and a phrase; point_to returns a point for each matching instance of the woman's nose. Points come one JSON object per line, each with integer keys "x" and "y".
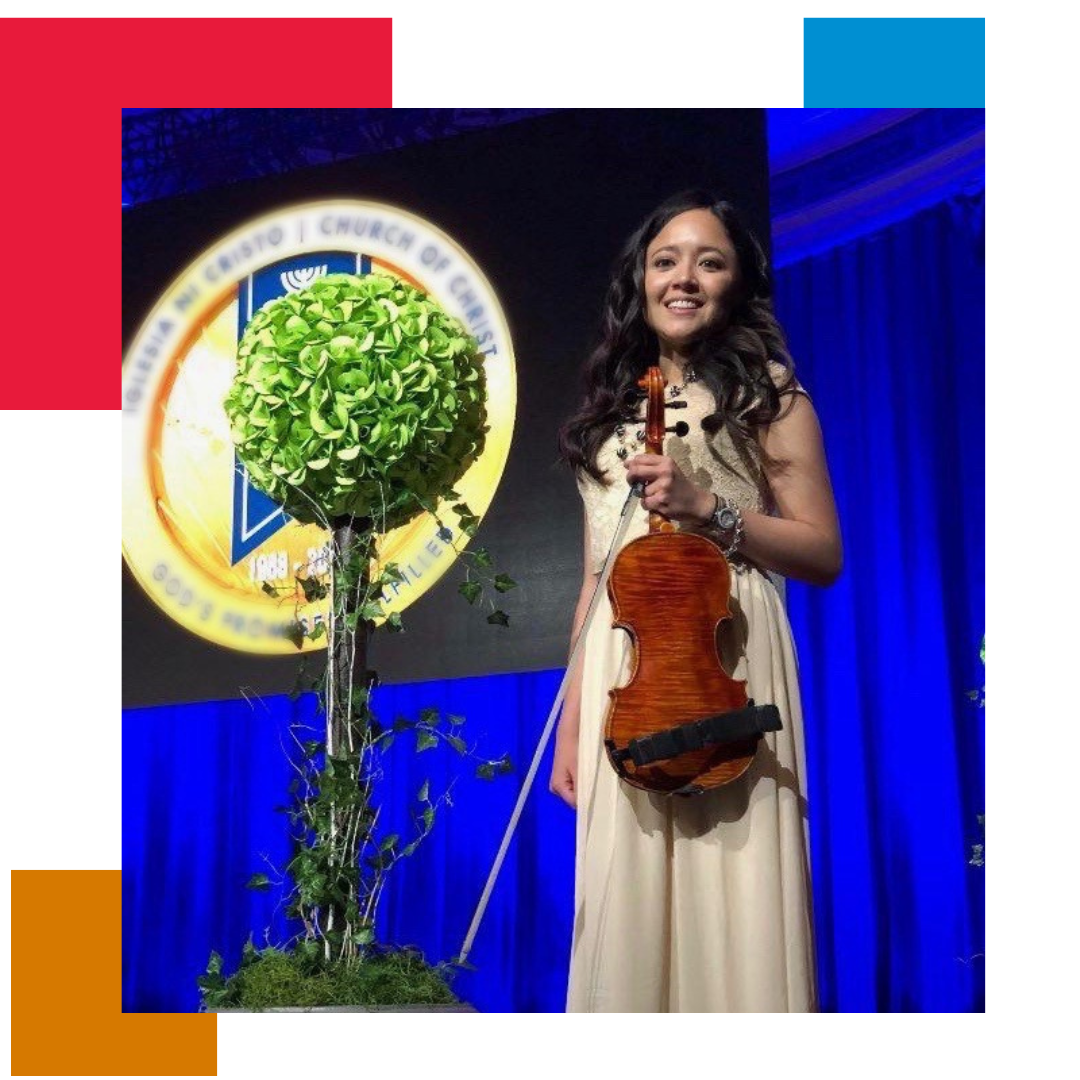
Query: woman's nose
{"x": 686, "y": 275}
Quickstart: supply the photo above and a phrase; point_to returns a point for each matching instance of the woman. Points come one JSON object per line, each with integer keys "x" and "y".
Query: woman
{"x": 697, "y": 904}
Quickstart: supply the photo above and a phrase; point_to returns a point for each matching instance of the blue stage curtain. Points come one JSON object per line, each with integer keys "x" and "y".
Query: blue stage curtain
{"x": 888, "y": 336}
{"x": 201, "y": 783}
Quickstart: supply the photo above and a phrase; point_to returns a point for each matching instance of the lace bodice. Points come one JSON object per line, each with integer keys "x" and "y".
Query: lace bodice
{"x": 709, "y": 461}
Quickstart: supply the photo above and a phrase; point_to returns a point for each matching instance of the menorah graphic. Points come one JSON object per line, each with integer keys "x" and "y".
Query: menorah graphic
{"x": 295, "y": 280}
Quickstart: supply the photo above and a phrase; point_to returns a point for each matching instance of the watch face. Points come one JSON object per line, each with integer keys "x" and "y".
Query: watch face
{"x": 726, "y": 519}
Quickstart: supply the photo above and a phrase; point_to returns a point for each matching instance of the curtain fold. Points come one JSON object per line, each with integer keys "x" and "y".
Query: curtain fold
{"x": 888, "y": 334}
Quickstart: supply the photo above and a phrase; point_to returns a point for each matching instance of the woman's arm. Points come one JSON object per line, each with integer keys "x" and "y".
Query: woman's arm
{"x": 804, "y": 541}
{"x": 564, "y": 767}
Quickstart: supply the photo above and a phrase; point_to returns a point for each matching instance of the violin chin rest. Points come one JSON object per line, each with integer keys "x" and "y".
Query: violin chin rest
{"x": 737, "y": 725}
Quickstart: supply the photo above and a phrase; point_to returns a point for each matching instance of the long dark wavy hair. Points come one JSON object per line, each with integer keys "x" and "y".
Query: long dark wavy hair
{"x": 732, "y": 360}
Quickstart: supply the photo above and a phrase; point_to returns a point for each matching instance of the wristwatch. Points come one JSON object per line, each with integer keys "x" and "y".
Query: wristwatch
{"x": 727, "y": 520}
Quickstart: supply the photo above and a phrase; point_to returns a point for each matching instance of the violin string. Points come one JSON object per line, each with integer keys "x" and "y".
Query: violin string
{"x": 634, "y": 494}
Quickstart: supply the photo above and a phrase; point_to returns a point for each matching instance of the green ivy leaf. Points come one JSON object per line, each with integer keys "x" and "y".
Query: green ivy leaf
{"x": 425, "y": 740}
{"x": 471, "y": 590}
{"x": 371, "y": 611}
{"x": 504, "y": 583}
{"x": 258, "y": 883}
{"x": 249, "y": 954}
{"x": 393, "y": 575}
{"x": 499, "y": 618}
{"x": 310, "y": 949}
{"x": 467, "y": 518}
{"x": 422, "y": 794}
{"x": 313, "y": 589}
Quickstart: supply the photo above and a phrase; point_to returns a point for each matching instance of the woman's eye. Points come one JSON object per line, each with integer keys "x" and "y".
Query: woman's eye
{"x": 662, "y": 264}
{"x": 713, "y": 264}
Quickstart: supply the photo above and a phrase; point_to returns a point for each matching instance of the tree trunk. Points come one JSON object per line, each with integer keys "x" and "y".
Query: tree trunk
{"x": 347, "y": 657}
{"x": 348, "y": 652}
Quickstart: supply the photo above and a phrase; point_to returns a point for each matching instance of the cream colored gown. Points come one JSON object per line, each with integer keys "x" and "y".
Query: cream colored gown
{"x": 698, "y": 904}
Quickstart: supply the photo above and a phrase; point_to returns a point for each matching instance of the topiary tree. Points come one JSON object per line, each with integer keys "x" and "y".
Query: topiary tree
{"x": 357, "y": 404}
{"x": 358, "y": 398}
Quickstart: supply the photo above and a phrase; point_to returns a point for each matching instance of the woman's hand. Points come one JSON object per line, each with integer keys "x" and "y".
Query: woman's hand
{"x": 564, "y": 768}
{"x": 667, "y": 490}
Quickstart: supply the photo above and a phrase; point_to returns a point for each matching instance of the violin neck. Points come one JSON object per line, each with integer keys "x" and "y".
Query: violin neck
{"x": 653, "y": 384}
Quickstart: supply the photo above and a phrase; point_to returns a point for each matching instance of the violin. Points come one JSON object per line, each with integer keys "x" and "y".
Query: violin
{"x": 681, "y": 725}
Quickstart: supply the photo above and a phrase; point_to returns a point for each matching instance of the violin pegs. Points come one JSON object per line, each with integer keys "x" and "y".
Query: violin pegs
{"x": 681, "y": 429}
{"x": 676, "y": 405}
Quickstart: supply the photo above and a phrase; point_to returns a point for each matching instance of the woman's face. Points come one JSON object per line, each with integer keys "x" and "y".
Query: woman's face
{"x": 691, "y": 277}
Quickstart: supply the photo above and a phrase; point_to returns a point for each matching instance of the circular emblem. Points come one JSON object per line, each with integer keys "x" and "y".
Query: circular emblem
{"x": 209, "y": 549}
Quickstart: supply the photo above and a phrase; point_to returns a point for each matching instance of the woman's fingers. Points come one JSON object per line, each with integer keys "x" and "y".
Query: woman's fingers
{"x": 564, "y": 787}
{"x": 647, "y": 466}
{"x": 666, "y": 489}
{"x": 657, "y": 473}
{"x": 566, "y": 794}
{"x": 651, "y": 470}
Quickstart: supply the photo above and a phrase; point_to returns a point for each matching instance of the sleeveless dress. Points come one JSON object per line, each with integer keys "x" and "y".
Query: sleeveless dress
{"x": 698, "y": 904}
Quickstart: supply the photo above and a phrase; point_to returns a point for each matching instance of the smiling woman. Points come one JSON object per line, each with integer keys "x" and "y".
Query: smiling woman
{"x": 690, "y": 284}
{"x": 698, "y": 904}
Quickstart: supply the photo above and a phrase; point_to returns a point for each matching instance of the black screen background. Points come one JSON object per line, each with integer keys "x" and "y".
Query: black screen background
{"x": 543, "y": 206}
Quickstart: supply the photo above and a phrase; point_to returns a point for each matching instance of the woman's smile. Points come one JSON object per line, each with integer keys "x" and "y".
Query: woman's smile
{"x": 691, "y": 276}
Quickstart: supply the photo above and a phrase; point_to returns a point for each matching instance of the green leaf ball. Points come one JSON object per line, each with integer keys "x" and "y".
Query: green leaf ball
{"x": 358, "y": 396}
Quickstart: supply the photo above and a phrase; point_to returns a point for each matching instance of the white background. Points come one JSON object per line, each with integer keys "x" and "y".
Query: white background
{"x": 61, "y": 540}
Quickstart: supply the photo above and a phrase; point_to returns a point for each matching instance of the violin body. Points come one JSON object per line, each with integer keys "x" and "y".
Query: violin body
{"x": 681, "y": 725}
{"x": 669, "y": 591}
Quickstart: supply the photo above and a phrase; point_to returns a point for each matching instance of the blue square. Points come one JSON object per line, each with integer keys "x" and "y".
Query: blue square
{"x": 894, "y": 63}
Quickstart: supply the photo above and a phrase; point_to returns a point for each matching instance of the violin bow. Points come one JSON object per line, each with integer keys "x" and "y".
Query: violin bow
{"x": 634, "y": 494}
